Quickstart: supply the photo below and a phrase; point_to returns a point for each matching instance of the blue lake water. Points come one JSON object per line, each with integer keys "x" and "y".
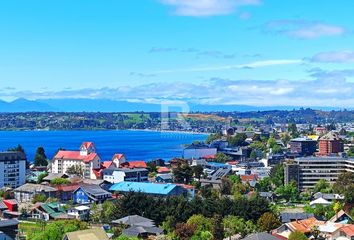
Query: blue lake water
{"x": 136, "y": 145}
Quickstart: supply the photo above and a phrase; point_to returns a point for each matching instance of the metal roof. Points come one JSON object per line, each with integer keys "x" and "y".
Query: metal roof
{"x": 151, "y": 188}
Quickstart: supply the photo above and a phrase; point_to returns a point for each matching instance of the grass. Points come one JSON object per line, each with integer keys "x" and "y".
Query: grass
{"x": 27, "y": 227}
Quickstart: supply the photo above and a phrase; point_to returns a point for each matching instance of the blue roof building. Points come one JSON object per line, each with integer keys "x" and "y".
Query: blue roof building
{"x": 156, "y": 189}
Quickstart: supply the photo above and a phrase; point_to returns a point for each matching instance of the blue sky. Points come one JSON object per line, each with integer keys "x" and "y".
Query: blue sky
{"x": 254, "y": 52}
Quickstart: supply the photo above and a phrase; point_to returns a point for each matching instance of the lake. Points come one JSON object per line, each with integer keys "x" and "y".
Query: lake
{"x": 136, "y": 145}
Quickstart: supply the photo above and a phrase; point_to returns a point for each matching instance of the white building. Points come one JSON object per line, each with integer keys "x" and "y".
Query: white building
{"x": 86, "y": 159}
{"x": 80, "y": 212}
{"x": 195, "y": 151}
{"x": 125, "y": 174}
{"x": 12, "y": 169}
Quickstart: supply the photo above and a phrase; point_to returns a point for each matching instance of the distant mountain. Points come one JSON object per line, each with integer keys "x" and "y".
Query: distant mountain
{"x": 106, "y": 105}
{"x": 24, "y": 105}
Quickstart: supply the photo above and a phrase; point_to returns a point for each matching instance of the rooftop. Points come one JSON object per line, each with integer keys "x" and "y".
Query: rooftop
{"x": 151, "y": 188}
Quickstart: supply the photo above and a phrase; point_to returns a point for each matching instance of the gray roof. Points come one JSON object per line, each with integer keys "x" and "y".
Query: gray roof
{"x": 260, "y": 236}
{"x": 12, "y": 156}
{"x": 51, "y": 176}
{"x": 286, "y": 217}
{"x": 135, "y": 231}
{"x": 93, "y": 190}
{"x": 8, "y": 222}
{"x": 167, "y": 176}
{"x": 30, "y": 187}
{"x": 135, "y": 220}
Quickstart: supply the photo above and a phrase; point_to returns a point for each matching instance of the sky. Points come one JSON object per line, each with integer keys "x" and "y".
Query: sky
{"x": 242, "y": 52}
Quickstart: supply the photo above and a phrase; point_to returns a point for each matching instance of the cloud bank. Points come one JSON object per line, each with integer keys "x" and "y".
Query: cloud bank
{"x": 327, "y": 88}
{"x": 200, "y": 8}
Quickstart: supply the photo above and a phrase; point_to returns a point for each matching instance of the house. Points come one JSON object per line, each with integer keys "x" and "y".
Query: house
{"x": 12, "y": 169}
{"x": 155, "y": 189}
{"x": 142, "y": 232}
{"x": 134, "y": 164}
{"x": 26, "y": 192}
{"x": 328, "y": 196}
{"x": 286, "y": 217}
{"x": 164, "y": 178}
{"x": 270, "y": 196}
{"x": 135, "y": 220}
{"x": 163, "y": 170}
{"x": 346, "y": 233}
{"x": 88, "y": 234}
{"x": 330, "y": 229}
{"x": 86, "y": 160}
{"x": 198, "y": 150}
{"x": 118, "y": 159}
{"x": 8, "y": 229}
{"x": 252, "y": 179}
{"x": 90, "y": 193}
{"x": 320, "y": 201}
{"x": 80, "y": 212}
{"x": 49, "y": 211}
{"x": 342, "y": 217}
{"x": 138, "y": 226}
{"x": 115, "y": 175}
{"x": 260, "y": 236}
{"x": 52, "y": 176}
{"x": 65, "y": 192}
{"x": 11, "y": 204}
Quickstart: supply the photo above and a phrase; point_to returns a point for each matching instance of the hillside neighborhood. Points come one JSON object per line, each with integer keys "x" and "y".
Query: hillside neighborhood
{"x": 289, "y": 181}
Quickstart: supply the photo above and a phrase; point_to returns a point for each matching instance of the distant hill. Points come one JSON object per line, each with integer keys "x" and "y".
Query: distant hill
{"x": 106, "y": 105}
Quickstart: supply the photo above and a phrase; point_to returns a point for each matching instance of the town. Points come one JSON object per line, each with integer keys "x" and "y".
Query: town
{"x": 276, "y": 181}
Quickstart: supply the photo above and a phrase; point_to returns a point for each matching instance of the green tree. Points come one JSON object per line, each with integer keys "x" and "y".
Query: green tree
{"x": 39, "y": 198}
{"x": 41, "y": 176}
{"x": 75, "y": 169}
{"x": 198, "y": 171}
{"x": 264, "y": 185}
{"x": 218, "y": 228}
{"x": 236, "y": 225}
{"x": 288, "y": 191}
{"x": 183, "y": 173}
{"x": 59, "y": 181}
{"x": 253, "y": 155}
{"x": 350, "y": 152}
{"x": 345, "y": 185}
{"x": 201, "y": 223}
{"x": 268, "y": 221}
{"x": 237, "y": 140}
{"x": 322, "y": 186}
{"x": 277, "y": 175}
{"x": 95, "y": 213}
{"x": 226, "y": 186}
{"x": 212, "y": 137}
{"x": 297, "y": 236}
{"x": 40, "y": 159}
{"x": 222, "y": 157}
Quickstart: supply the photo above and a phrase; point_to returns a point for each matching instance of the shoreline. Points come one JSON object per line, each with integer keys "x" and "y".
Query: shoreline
{"x": 93, "y": 130}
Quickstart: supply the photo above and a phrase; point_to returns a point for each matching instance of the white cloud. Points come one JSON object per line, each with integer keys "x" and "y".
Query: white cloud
{"x": 302, "y": 29}
{"x": 198, "y": 8}
{"x": 257, "y": 64}
{"x": 334, "y": 57}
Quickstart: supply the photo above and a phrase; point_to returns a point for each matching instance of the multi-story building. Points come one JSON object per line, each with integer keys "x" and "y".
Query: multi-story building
{"x": 85, "y": 160}
{"x": 330, "y": 144}
{"x": 196, "y": 151}
{"x": 117, "y": 175}
{"x": 12, "y": 169}
{"x": 309, "y": 170}
{"x": 303, "y": 146}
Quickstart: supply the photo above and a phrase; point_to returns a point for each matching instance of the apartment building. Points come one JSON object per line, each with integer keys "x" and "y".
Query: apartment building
{"x": 12, "y": 169}
{"x": 86, "y": 159}
{"x": 308, "y": 171}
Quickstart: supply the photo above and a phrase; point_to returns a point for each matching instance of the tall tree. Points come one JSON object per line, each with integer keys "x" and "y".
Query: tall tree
{"x": 40, "y": 159}
{"x": 268, "y": 221}
{"x": 218, "y": 228}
